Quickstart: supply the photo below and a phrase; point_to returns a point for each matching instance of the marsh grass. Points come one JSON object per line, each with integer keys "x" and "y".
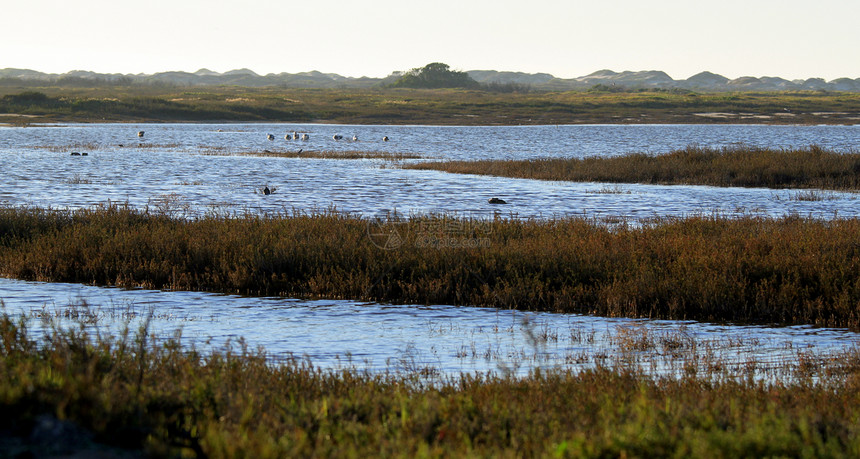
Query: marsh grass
{"x": 654, "y": 349}
{"x": 150, "y": 146}
{"x": 812, "y": 196}
{"x": 325, "y": 154}
{"x": 610, "y": 189}
{"x": 171, "y": 205}
{"x": 92, "y": 146}
{"x": 790, "y": 270}
{"x": 77, "y": 146}
{"x": 83, "y": 313}
{"x": 131, "y": 393}
{"x": 740, "y": 166}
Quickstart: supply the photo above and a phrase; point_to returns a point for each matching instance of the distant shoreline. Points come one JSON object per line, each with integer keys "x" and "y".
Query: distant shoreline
{"x": 443, "y": 107}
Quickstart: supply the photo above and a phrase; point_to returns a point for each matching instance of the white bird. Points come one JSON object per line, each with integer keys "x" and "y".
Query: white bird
{"x": 355, "y": 138}
{"x": 385, "y": 138}
{"x": 305, "y": 137}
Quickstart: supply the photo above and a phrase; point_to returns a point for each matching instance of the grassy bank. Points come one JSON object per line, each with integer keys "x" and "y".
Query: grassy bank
{"x": 811, "y": 167}
{"x": 788, "y": 270}
{"x": 417, "y": 106}
{"x": 80, "y": 395}
{"x": 324, "y": 154}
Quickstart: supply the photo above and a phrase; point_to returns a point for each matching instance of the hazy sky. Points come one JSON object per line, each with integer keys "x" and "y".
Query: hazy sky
{"x": 787, "y": 38}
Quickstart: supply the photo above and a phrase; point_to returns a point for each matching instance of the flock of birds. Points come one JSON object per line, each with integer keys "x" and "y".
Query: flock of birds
{"x": 306, "y": 136}
{"x": 296, "y": 136}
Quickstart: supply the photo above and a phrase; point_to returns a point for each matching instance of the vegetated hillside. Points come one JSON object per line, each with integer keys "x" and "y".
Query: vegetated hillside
{"x": 704, "y": 81}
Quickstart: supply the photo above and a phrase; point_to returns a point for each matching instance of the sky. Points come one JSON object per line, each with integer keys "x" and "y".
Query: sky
{"x": 787, "y": 38}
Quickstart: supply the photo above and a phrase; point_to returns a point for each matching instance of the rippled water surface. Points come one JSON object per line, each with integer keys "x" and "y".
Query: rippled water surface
{"x": 195, "y": 168}
{"x": 383, "y": 337}
{"x": 191, "y": 164}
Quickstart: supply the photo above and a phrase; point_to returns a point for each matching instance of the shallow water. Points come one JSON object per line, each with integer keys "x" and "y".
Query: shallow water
{"x": 383, "y": 337}
{"x": 187, "y": 169}
{"x": 173, "y": 163}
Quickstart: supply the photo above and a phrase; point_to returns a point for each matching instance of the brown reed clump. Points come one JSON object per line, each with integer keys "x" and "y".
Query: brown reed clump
{"x": 810, "y": 167}
{"x": 787, "y": 271}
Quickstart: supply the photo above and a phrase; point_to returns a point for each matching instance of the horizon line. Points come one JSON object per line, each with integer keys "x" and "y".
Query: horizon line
{"x": 394, "y": 71}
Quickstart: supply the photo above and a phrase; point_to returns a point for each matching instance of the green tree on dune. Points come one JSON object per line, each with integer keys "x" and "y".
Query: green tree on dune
{"x": 435, "y": 75}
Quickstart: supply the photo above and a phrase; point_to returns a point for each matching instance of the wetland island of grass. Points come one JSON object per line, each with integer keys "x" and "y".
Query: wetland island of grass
{"x": 741, "y": 166}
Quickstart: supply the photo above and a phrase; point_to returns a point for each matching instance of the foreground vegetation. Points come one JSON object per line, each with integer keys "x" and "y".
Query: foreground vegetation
{"x": 738, "y": 166}
{"x": 787, "y": 271}
{"x": 419, "y": 106}
{"x": 65, "y": 393}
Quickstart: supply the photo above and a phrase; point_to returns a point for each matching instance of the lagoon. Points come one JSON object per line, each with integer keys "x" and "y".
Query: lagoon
{"x": 197, "y": 169}
{"x": 193, "y": 169}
